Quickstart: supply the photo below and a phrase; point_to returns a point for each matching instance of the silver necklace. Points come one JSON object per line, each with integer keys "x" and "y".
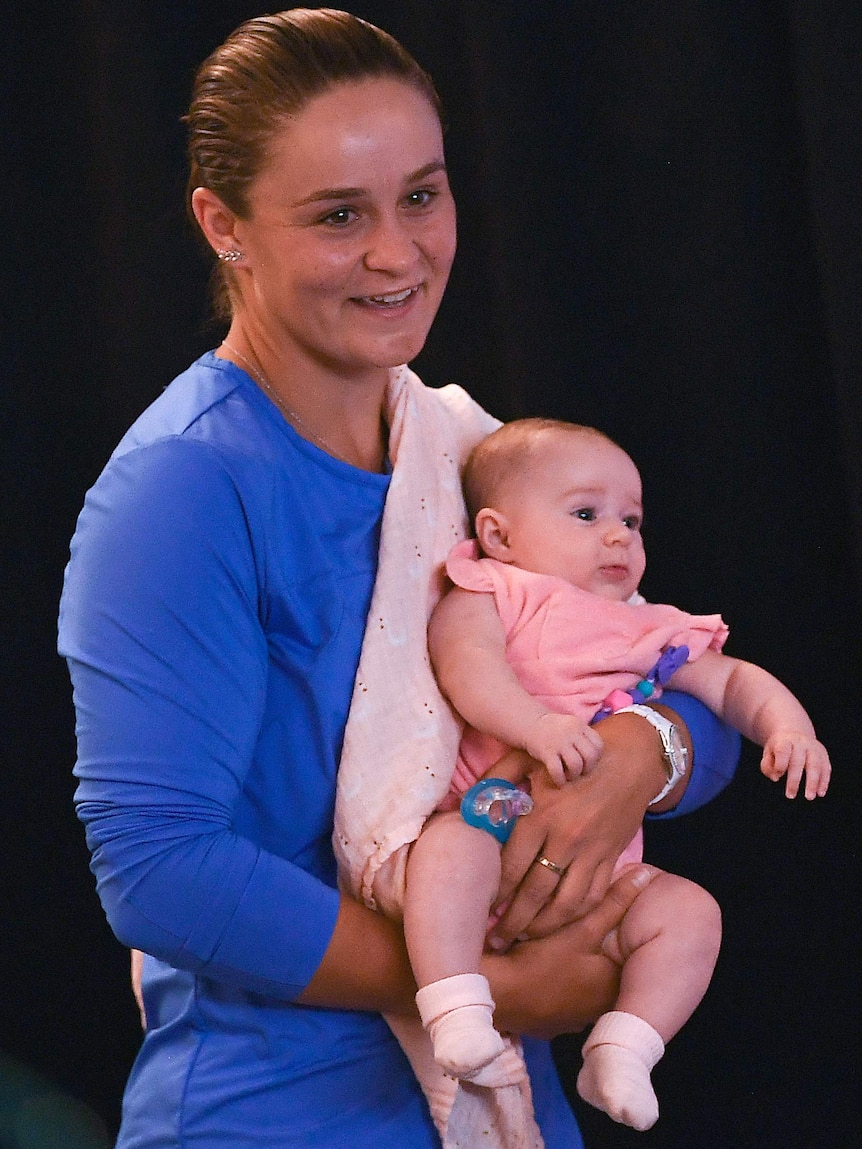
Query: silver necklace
{"x": 257, "y": 374}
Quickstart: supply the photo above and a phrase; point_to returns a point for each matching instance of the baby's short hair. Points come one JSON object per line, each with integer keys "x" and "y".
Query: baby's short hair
{"x": 509, "y": 452}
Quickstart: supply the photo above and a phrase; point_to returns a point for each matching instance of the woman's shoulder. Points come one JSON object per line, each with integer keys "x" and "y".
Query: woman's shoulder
{"x": 448, "y": 415}
{"x": 204, "y": 404}
{"x": 212, "y": 421}
{"x": 198, "y": 452}
{"x": 461, "y": 406}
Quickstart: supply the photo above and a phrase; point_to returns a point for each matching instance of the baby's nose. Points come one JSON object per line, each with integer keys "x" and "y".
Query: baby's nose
{"x": 617, "y": 532}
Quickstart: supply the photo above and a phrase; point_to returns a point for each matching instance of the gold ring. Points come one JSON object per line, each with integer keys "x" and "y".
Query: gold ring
{"x": 552, "y": 866}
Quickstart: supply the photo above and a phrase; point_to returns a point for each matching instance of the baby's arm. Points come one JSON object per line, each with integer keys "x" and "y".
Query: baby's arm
{"x": 763, "y": 710}
{"x": 468, "y": 649}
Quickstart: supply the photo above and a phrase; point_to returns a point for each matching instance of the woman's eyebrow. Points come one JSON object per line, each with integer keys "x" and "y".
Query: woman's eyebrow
{"x": 325, "y": 194}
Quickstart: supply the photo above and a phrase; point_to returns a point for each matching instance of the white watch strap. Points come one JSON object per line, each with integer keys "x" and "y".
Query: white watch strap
{"x": 663, "y": 726}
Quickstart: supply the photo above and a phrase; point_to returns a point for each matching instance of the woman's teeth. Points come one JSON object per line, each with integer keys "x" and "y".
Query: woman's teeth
{"x": 394, "y": 298}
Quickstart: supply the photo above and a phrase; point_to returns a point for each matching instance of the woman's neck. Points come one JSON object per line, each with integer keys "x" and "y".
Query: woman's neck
{"x": 343, "y": 416}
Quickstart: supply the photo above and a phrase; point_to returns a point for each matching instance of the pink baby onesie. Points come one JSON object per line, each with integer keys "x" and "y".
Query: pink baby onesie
{"x": 568, "y": 647}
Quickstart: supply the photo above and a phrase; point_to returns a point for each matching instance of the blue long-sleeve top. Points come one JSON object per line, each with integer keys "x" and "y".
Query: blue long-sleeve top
{"x": 212, "y": 617}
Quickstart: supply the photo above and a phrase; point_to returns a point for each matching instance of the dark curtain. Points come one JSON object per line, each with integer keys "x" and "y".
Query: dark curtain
{"x": 660, "y": 232}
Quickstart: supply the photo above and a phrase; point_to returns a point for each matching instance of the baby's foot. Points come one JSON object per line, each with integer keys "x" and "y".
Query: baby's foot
{"x": 465, "y": 1040}
{"x": 458, "y": 1014}
{"x": 616, "y": 1081}
{"x": 615, "y": 1077}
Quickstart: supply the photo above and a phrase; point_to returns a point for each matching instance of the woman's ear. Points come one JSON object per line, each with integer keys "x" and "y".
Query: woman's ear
{"x": 492, "y": 531}
{"x": 216, "y": 221}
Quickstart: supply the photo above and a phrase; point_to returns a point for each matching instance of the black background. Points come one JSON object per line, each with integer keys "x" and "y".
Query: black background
{"x": 660, "y": 234}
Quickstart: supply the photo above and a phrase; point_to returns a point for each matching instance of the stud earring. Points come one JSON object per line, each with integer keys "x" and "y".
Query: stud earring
{"x": 230, "y": 255}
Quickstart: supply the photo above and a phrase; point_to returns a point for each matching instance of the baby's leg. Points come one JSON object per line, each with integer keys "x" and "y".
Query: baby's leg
{"x": 453, "y": 874}
{"x": 668, "y": 944}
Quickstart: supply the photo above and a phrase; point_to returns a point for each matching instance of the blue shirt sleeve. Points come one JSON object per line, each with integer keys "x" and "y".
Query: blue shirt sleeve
{"x": 716, "y": 752}
{"x": 160, "y": 624}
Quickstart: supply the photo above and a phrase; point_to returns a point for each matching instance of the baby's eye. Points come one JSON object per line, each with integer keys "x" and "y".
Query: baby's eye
{"x": 633, "y": 522}
{"x": 586, "y": 514}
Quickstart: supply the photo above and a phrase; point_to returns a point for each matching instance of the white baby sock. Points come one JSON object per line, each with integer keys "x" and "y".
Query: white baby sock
{"x": 458, "y": 1014}
{"x": 615, "y": 1077}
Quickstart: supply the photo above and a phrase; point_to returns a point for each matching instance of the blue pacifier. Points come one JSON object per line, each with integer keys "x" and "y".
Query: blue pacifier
{"x": 493, "y": 804}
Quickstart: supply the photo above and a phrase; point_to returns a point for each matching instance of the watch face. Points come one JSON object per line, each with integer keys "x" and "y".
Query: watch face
{"x": 678, "y": 749}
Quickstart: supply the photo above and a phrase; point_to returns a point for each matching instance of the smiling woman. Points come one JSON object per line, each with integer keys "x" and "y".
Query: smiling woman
{"x": 222, "y": 586}
{"x": 341, "y": 260}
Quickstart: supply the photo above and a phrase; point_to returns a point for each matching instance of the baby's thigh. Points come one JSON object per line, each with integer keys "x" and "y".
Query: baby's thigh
{"x": 670, "y": 906}
{"x": 450, "y": 853}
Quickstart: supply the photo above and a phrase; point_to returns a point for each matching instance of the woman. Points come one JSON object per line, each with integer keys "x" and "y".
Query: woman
{"x": 213, "y": 614}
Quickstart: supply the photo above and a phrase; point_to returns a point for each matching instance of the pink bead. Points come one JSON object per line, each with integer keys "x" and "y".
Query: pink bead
{"x": 617, "y": 699}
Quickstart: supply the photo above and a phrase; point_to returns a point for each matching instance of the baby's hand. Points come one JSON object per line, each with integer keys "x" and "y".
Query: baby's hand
{"x": 564, "y": 745}
{"x": 793, "y": 753}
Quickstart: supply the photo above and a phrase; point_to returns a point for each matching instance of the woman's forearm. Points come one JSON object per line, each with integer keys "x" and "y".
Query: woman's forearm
{"x": 557, "y": 984}
{"x": 673, "y": 798}
{"x": 365, "y": 965}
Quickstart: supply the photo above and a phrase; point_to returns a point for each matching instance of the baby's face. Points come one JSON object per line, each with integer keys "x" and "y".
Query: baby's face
{"x": 577, "y": 514}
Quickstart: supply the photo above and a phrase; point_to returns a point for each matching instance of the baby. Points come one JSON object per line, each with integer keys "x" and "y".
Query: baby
{"x": 542, "y": 633}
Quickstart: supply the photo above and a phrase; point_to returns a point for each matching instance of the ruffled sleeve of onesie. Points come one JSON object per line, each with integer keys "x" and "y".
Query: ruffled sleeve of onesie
{"x": 705, "y": 632}
{"x": 466, "y": 569}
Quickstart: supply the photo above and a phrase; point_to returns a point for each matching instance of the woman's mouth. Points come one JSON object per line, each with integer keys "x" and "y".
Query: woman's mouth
{"x": 389, "y": 299}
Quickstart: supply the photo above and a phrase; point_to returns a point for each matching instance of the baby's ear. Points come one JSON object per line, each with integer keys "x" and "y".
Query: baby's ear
{"x": 492, "y": 531}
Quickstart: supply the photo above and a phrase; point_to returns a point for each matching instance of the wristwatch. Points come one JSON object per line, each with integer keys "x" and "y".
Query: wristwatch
{"x": 673, "y": 748}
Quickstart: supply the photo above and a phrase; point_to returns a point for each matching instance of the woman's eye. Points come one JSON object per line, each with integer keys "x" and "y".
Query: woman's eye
{"x": 420, "y": 198}
{"x": 340, "y": 217}
{"x": 586, "y": 514}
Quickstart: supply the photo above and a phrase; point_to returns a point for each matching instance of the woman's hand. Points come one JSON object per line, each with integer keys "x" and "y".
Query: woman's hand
{"x": 562, "y": 982}
{"x": 582, "y": 828}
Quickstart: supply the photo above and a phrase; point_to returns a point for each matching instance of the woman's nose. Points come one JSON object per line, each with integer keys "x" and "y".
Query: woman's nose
{"x": 390, "y": 246}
